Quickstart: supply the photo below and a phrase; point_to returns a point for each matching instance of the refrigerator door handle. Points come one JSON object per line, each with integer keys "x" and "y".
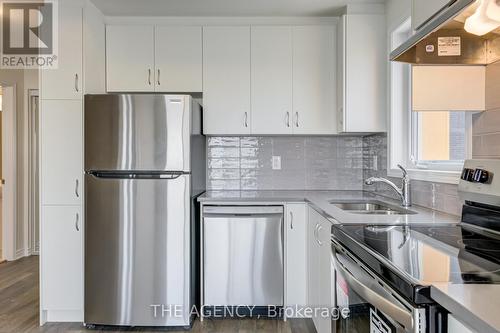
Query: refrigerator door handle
{"x": 118, "y": 175}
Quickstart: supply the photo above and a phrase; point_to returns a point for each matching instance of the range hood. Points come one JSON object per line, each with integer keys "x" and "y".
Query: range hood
{"x": 444, "y": 41}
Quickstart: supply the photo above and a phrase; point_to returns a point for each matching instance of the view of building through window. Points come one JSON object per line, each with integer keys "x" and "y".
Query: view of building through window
{"x": 441, "y": 136}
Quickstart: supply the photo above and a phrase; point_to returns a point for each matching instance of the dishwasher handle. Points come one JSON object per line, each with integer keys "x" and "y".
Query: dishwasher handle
{"x": 241, "y": 210}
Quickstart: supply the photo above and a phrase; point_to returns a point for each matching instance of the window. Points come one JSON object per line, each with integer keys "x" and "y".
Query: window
{"x": 433, "y": 145}
{"x": 439, "y": 140}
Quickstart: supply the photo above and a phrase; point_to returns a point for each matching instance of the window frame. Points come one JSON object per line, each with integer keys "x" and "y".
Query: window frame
{"x": 400, "y": 149}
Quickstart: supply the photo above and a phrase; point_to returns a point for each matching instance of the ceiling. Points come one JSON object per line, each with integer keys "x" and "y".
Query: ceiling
{"x": 224, "y": 7}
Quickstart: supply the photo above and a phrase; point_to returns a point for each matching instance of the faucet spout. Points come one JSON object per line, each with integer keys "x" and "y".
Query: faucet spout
{"x": 404, "y": 192}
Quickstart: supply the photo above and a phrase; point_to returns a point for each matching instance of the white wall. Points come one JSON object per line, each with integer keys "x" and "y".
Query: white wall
{"x": 397, "y": 11}
{"x": 94, "y": 60}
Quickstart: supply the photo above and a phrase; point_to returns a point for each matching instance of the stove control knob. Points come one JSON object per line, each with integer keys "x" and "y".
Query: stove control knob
{"x": 481, "y": 176}
{"x": 467, "y": 174}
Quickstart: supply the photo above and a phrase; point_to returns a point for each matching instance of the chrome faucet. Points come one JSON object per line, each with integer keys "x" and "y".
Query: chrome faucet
{"x": 404, "y": 192}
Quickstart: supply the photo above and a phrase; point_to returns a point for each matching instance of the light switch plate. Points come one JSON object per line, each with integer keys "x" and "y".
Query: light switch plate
{"x": 276, "y": 162}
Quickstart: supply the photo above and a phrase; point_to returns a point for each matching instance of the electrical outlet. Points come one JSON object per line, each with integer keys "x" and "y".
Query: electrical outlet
{"x": 276, "y": 162}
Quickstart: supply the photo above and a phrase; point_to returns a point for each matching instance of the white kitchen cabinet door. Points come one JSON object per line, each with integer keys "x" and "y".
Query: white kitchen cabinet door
{"x": 226, "y": 80}
{"x": 178, "y": 59}
{"x": 61, "y": 149}
{"x": 325, "y": 276}
{"x": 313, "y": 262}
{"x": 62, "y": 258}
{"x": 296, "y": 256}
{"x": 314, "y": 90}
{"x": 271, "y": 79}
{"x": 423, "y": 10}
{"x": 362, "y": 101}
{"x": 65, "y": 82}
{"x": 319, "y": 273}
{"x": 130, "y": 58}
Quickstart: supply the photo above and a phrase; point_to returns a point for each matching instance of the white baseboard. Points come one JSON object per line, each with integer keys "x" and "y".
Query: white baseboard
{"x": 20, "y": 253}
{"x": 64, "y": 316}
{"x": 33, "y": 252}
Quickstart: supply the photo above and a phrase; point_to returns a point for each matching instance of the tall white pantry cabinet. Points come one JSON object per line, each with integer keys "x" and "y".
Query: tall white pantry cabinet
{"x": 61, "y": 160}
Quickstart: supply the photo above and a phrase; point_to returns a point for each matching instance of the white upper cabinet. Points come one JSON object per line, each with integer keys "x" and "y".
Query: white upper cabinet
{"x": 65, "y": 82}
{"x": 362, "y": 67}
{"x": 226, "y": 80}
{"x": 61, "y": 150}
{"x": 178, "y": 59}
{"x": 314, "y": 99}
{"x": 271, "y": 80}
{"x": 130, "y": 58}
{"x": 423, "y": 10}
{"x": 160, "y": 58}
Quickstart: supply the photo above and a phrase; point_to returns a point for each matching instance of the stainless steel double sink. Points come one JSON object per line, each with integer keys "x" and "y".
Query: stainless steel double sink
{"x": 372, "y": 207}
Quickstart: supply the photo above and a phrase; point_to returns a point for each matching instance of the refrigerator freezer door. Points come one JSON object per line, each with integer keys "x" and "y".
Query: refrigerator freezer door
{"x": 137, "y": 132}
{"x": 137, "y": 250}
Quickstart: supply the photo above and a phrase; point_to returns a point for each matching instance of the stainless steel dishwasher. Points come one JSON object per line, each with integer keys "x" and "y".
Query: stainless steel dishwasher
{"x": 243, "y": 256}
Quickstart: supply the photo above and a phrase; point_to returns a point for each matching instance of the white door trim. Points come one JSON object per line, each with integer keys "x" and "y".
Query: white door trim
{"x": 32, "y": 239}
{"x": 9, "y": 166}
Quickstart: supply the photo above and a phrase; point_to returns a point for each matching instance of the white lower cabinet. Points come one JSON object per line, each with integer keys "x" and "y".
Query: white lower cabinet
{"x": 296, "y": 258}
{"x": 319, "y": 273}
{"x": 62, "y": 261}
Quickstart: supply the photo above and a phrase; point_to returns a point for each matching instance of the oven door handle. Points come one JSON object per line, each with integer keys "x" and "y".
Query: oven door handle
{"x": 374, "y": 293}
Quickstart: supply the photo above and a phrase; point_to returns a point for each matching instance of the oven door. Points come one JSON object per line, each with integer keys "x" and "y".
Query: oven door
{"x": 367, "y": 305}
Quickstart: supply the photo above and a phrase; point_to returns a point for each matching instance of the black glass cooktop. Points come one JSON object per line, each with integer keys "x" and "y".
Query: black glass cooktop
{"x": 414, "y": 256}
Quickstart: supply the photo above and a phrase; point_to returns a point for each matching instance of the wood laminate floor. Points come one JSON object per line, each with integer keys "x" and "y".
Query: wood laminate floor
{"x": 19, "y": 309}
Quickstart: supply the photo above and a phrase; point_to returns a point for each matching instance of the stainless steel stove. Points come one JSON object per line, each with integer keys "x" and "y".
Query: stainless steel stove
{"x": 384, "y": 272}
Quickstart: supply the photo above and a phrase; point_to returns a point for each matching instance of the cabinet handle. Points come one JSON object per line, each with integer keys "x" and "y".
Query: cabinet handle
{"x": 246, "y": 119}
{"x": 291, "y": 220}
{"x": 77, "y": 222}
{"x": 149, "y": 76}
{"x": 77, "y": 89}
{"x": 318, "y": 229}
{"x": 158, "y": 78}
{"x": 287, "y": 119}
{"x": 297, "y": 119}
{"x": 76, "y": 188}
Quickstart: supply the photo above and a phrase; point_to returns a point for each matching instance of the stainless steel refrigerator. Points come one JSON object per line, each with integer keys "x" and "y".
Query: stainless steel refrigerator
{"x": 145, "y": 165}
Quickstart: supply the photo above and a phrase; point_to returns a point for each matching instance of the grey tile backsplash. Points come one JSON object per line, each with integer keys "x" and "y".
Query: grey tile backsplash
{"x": 438, "y": 196}
{"x": 307, "y": 163}
{"x": 486, "y": 134}
{"x": 313, "y": 163}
